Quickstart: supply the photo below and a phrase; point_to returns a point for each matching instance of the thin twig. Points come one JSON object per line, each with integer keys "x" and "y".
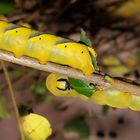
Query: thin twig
{"x": 13, "y": 99}
{"x": 95, "y": 78}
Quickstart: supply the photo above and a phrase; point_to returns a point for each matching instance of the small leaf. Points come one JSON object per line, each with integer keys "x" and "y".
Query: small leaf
{"x": 82, "y": 87}
{"x": 78, "y": 125}
{"x": 84, "y": 39}
{"x": 4, "y": 113}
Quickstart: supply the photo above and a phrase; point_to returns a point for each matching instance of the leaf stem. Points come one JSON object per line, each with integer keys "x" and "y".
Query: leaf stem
{"x": 13, "y": 98}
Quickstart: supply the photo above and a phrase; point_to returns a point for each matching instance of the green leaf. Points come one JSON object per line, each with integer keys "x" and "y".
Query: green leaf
{"x": 85, "y": 91}
{"x": 6, "y": 7}
{"x": 78, "y": 125}
{"x": 105, "y": 110}
{"x": 4, "y": 113}
{"x": 82, "y": 87}
{"x": 84, "y": 39}
{"x": 79, "y": 83}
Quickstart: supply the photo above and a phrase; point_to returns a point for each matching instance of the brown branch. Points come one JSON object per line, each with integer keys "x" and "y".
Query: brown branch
{"x": 51, "y": 67}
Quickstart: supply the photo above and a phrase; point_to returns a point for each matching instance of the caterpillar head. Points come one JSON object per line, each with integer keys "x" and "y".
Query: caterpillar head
{"x": 58, "y": 84}
{"x": 75, "y": 55}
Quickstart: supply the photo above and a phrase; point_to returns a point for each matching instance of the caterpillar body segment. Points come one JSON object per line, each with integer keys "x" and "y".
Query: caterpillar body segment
{"x": 58, "y": 85}
{"x": 45, "y": 47}
{"x": 14, "y": 41}
{"x": 40, "y": 46}
{"x": 112, "y": 97}
{"x": 116, "y": 98}
{"x": 75, "y": 55}
{"x": 3, "y": 26}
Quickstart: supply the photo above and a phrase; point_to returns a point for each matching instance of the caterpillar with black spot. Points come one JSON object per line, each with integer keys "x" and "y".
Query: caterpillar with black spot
{"x": 46, "y": 47}
{"x": 60, "y": 85}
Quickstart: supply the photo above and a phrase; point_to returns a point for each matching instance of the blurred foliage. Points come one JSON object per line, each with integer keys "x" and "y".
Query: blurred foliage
{"x": 39, "y": 88}
{"x": 49, "y": 98}
{"x": 6, "y": 6}
{"x": 127, "y": 8}
{"x": 17, "y": 73}
{"x": 105, "y": 109}
{"x": 58, "y": 105}
{"x": 78, "y": 125}
{"x": 4, "y": 112}
{"x": 114, "y": 65}
{"x": 138, "y": 55}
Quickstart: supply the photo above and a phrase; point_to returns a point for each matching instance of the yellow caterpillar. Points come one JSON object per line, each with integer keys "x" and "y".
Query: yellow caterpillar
{"x": 45, "y": 47}
{"x": 59, "y": 85}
